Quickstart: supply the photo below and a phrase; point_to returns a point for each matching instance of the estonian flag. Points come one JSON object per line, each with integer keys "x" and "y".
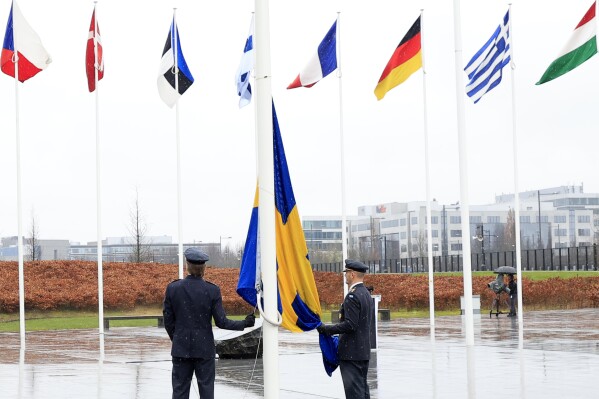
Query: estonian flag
{"x": 167, "y": 74}
{"x": 32, "y": 56}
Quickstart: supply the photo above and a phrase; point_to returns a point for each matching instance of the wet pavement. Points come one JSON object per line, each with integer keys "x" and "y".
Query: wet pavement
{"x": 560, "y": 359}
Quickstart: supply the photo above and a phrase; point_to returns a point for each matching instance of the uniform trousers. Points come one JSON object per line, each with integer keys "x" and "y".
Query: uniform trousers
{"x": 354, "y": 374}
{"x": 183, "y": 369}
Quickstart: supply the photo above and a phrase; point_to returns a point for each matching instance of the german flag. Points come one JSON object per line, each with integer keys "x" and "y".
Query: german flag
{"x": 406, "y": 59}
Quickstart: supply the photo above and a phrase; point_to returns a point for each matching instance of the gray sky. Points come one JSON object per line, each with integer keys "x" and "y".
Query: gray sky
{"x": 556, "y": 122}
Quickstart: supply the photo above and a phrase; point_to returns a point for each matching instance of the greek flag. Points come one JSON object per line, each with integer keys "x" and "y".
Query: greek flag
{"x": 484, "y": 69}
{"x": 242, "y": 79}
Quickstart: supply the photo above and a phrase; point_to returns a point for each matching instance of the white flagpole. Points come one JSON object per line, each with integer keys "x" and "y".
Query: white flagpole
{"x": 463, "y": 157}
{"x": 179, "y": 202}
{"x": 429, "y": 234}
{"x": 516, "y": 189}
{"x": 19, "y": 205}
{"x": 342, "y": 150}
{"x": 98, "y": 192}
{"x": 266, "y": 214}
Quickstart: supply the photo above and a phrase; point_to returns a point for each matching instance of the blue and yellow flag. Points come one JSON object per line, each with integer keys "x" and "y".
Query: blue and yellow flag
{"x": 298, "y": 300}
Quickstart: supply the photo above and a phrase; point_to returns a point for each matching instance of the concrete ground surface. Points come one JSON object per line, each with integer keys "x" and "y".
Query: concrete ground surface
{"x": 560, "y": 360}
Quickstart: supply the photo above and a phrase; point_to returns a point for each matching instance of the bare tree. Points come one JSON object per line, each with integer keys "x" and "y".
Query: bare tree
{"x": 422, "y": 243}
{"x": 137, "y": 229}
{"x": 34, "y": 251}
{"x": 509, "y": 232}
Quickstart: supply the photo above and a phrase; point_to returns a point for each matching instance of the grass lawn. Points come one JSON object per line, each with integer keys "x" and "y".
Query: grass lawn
{"x": 37, "y": 320}
{"x": 532, "y": 275}
{"x": 67, "y": 320}
{"x": 74, "y": 319}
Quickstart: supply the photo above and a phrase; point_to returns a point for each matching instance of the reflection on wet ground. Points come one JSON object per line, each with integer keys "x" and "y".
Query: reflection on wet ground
{"x": 560, "y": 359}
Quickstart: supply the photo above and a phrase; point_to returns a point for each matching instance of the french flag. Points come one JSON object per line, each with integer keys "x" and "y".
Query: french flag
{"x": 20, "y": 38}
{"x": 322, "y": 63}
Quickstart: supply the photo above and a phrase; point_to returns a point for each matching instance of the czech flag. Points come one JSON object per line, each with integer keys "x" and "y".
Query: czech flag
{"x": 94, "y": 55}
{"x": 322, "y": 63}
{"x": 169, "y": 90}
{"x": 31, "y": 55}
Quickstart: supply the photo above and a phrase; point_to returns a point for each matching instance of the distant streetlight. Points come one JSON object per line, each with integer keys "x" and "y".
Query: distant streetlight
{"x": 220, "y": 246}
{"x": 480, "y": 236}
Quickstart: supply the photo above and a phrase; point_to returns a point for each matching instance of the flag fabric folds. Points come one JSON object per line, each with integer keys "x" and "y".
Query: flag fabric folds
{"x": 298, "y": 300}
{"x": 172, "y": 84}
{"x": 20, "y": 37}
{"x": 297, "y": 297}
{"x": 94, "y": 55}
{"x": 242, "y": 78}
{"x": 322, "y": 63}
{"x": 406, "y": 59}
{"x": 581, "y": 46}
{"x": 485, "y": 68}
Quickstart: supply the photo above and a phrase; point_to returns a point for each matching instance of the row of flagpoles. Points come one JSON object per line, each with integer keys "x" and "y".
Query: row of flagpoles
{"x": 23, "y": 56}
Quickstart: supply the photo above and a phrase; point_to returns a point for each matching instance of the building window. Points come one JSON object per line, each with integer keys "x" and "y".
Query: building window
{"x": 403, "y": 235}
{"x": 414, "y": 220}
{"x": 455, "y": 219}
{"x": 404, "y": 248}
{"x": 524, "y": 219}
{"x": 434, "y": 219}
{"x": 493, "y": 219}
{"x": 476, "y": 219}
{"x": 559, "y": 219}
{"x": 390, "y": 223}
{"x": 560, "y": 232}
{"x": 402, "y": 222}
{"x": 584, "y": 219}
{"x": 435, "y": 233}
{"x": 584, "y": 232}
{"x": 544, "y": 219}
{"x": 455, "y": 233}
{"x": 456, "y": 247}
{"x": 414, "y": 234}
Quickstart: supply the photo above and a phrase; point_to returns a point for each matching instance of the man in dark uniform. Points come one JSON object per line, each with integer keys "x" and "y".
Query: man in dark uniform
{"x": 513, "y": 295}
{"x": 189, "y": 306}
{"x": 354, "y": 329}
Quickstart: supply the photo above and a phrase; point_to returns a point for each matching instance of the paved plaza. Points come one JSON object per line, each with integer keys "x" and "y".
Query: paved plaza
{"x": 560, "y": 360}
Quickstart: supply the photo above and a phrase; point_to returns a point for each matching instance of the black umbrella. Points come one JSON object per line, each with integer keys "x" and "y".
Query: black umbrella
{"x": 505, "y": 270}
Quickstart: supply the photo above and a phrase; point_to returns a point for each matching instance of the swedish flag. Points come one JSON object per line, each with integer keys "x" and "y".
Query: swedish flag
{"x": 298, "y": 300}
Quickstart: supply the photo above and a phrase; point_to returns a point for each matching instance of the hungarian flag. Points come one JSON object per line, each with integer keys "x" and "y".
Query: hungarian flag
{"x": 21, "y": 39}
{"x": 94, "y": 55}
{"x": 581, "y": 46}
{"x": 406, "y": 59}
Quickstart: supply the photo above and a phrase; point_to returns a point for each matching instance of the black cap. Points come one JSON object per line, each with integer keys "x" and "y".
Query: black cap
{"x": 355, "y": 265}
{"x": 196, "y": 256}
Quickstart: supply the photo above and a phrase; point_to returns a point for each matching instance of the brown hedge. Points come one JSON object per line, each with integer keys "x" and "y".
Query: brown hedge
{"x": 54, "y": 285}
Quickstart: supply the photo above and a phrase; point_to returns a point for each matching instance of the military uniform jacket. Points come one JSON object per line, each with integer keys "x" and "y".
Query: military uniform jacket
{"x": 188, "y": 308}
{"x": 354, "y": 326}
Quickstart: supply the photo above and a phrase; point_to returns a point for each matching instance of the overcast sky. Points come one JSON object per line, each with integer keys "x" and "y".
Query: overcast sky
{"x": 557, "y": 122}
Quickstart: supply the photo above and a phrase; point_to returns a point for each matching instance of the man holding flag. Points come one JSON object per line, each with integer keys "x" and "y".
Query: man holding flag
{"x": 354, "y": 329}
